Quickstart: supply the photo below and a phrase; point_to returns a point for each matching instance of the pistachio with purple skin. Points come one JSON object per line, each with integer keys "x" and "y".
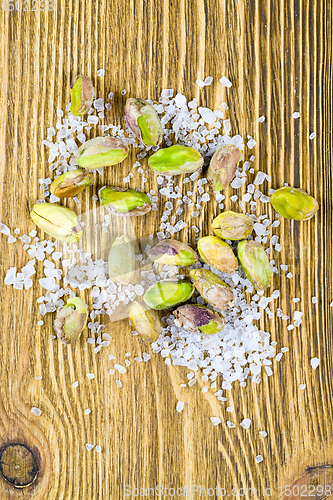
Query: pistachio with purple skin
{"x": 82, "y": 95}
{"x": 101, "y": 152}
{"x": 144, "y": 122}
{"x": 71, "y": 320}
{"x": 172, "y": 253}
{"x": 71, "y": 183}
{"x": 145, "y": 321}
{"x": 223, "y": 166}
{"x": 124, "y": 202}
{"x": 212, "y": 288}
{"x": 198, "y": 319}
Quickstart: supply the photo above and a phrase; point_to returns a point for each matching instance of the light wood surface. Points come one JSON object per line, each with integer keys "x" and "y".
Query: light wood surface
{"x": 278, "y": 56}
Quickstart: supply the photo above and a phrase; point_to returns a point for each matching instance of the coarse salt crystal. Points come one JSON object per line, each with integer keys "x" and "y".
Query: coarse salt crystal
{"x": 75, "y": 384}
{"x": 100, "y": 72}
{"x": 120, "y": 368}
{"x": 87, "y": 411}
{"x": 263, "y": 433}
{"x": 180, "y": 406}
{"x": 225, "y": 81}
{"x": 36, "y": 411}
{"x": 89, "y": 446}
{"x": 315, "y": 362}
{"x": 259, "y": 459}
{"x": 312, "y": 136}
{"x": 90, "y": 376}
{"x": 245, "y": 423}
{"x": 261, "y": 119}
{"x": 215, "y": 420}
{"x": 296, "y": 115}
{"x": 302, "y": 386}
{"x": 230, "y": 424}
{"x": 251, "y": 143}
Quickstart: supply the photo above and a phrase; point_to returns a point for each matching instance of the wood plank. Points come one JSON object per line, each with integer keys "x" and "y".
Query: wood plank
{"x": 278, "y": 55}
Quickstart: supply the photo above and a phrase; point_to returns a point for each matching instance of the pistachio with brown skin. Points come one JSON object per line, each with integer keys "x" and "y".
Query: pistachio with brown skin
{"x": 71, "y": 183}
{"x": 212, "y": 288}
{"x": 223, "y": 166}
{"x": 198, "y": 319}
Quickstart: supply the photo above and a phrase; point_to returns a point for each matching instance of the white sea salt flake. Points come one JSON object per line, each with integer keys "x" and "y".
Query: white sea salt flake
{"x": 245, "y": 423}
{"x": 230, "y": 424}
{"x": 238, "y": 182}
{"x": 296, "y": 115}
{"x": 314, "y": 300}
{"x": 227, "y": 126}
{"x": 207, "y": 115}
{"x": 90, "y": 376}
{"x": 112, "y": 371}
{"x": 278, "y": 356}
{"x": 36, "y": 411}
{"x": 315, "y": 362}
{"x": 215, "y": 420}
{"x": 87, "y": 411}
{"x": 180, "y": 406}
{"x": 119, "y": 384}
{"x": 259, "y": 459}
{"x": 230, "y": 408}
{"x": 261, "y": 119}
{"x": 224, "y": 80}
{"x": 289, "y": 275}
{"x": 180, "y": 100}
{"x": 297, "y": 315}
{"x": 263, "y": 433}
{"x": 75, "y": 384}
{"x": 251, "y": 143}
{"x": 146, "y": 357}
{"x": 120, "y": 368}
{"x": 200, "y": 83}
{"x": 89, "y": 446}
{"x": 302, "y": 386}
{"x": 39, "y": 377}
{"x": 101, "y": 72}
{"x": 312, "y": 136}
{"x": 98, "y": 448}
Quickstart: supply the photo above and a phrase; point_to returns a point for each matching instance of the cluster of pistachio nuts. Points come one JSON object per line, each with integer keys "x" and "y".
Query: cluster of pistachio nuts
{"x": 63, "y": 224}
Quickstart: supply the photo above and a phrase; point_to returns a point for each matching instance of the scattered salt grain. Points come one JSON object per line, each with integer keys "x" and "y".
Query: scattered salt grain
{"x": 263, "y": 433}
{"x": 314, "y": 300}
{"x": 87, "y": 411}
{"x": 230, "y": 424}
{"x": 75, "y": 384}
{"x": 100, "y": 72}
{"x": 224, "y": 80}
{"x": 98, "y": 448}
{"x": 245, "y": 423}
{"x": 180, "y": 406}
{"x": 39, "y": 377}
{"x": 312, "y": 136}
{"x": 89, "y": 446}
{"x": 207, "y": 115}
{"x": 302, "y": 387}
{"x": 119, "y": 384}
{"x": 215, "y": 420}
{"x": 36, "y": 411}
{"x": 261, "y": 119}
{"x": 230, "y": 408}
{"x": 251, "y": 143}
{"x": 259, "y": 459}
{"x": 296, "y": 115}
{"x": 315, "y": 363}
{"x": 90, "y": 376}
{"x": 120, "y": 368}
{"x": 278, "y": 356}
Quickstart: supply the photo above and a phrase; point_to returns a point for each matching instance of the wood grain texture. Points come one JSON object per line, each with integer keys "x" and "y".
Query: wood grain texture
{"x": 278, "y": 55}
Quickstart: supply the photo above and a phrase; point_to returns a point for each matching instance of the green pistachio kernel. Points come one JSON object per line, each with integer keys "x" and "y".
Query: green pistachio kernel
{"x": 122, "y": 260}
{"x": 168, "y": 293}
{"x": 255, "y": 263}
{"x": 218, "y": 254}
{"x": 172, "y": 253}
{"x": 101, "y": 152}
{"x": 176, "y": 160}
{"x": 82, "y": 95}
{"x": 198, "y": 319}
{"x": 124, "y": 202}
{"x": 294, "y": 203}
{"x": 71, "y": 320}
{"x": 145, "y": 321}
{"x": 57, "y": 221}
{"x": 144, "y": 122}
{"x": 232, "y": 226}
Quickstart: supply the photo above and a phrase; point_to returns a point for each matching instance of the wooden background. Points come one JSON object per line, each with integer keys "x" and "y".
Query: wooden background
{"x": 278, "y": 55}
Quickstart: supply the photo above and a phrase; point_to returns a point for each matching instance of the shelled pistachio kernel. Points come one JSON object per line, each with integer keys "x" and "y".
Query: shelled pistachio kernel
{"x": 176, "y": 160}
{"x": 198, "y": 319}
{"x": 218, "y": 254}
{"x": 124, "y": 202}
{"x": 223, "y": 166}
{"x": 255, "y": 263}
{"x": 145, "y": 321}
{"x": 168, "y": 293}
{"x": 232, "y": 225}
{"x": 101, "y": 152}
{"x": 82, "y": 95}
{"x": 57, "y": 221}
{"x": 71, "y": 183}
{"x": 212, "y": 288}
{"x": 294, "y": 203}
{"x": 144, "y": 122}
{"x": 122, "y": 260}
{"x": 71, "y": 320}
{"x": 172, "y": 253}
